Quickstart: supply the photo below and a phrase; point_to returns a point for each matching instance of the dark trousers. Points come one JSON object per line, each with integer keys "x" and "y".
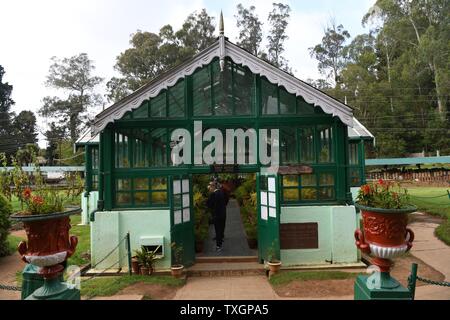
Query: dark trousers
{"x": 219, "y": 226}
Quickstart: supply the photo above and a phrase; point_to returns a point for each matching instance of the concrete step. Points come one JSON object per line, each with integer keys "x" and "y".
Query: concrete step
{"x": 221, "y": 259}
{"x": 225, "y": 269}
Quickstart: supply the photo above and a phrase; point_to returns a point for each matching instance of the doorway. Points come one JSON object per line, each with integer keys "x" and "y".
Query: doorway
{"x": 241, "y": 225}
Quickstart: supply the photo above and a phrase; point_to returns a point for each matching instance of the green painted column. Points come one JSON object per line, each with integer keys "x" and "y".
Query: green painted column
{"x": 108, "y": 167}
{"x": 368, "y": 287}
{"x": 101, "y": 184}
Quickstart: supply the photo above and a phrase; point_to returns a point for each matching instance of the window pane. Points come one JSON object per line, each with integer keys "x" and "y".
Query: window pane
{"x": 326, "y": 193}
{"x": 201, "y": 81}
{"x": 243, "y": 90}
{"x": 121, "y": 150}
{"x": 95, "y": 158}
{"x": 141, "y": 184}
{"x": 290, "y": 194}
{"x": 307, "y": 145}
{"x": 176, "y": 100}
{"x": 141, "y": 198}
{"x": 269, "y": 97}
{"x": 176, "y": 199}
{"x": 159, "y": 184}
{"x": 141, "y": 112}
{"x": 325, "y": 138}
{"x": 123, "y": 198}
{"x": 308, "y": 194}
{"x": 303, "y": 107}
{"x": 263, "y": 182}
{"x": 123, "y": 184}
{"x": 222, "y": 92}
{"x": 287, "y": 102}
{"x": 158, "y": 154}
{"x": 290, "y": 181}
{"x": 158, "y": 106}
{"x": 159, "y": 197}
{"x": 353, "y": 153}
{"x": 288, "y": 145}
{"x": 326, "y": 179}
{"x": 140, "y": 148}
{"x": 307, "y": 180}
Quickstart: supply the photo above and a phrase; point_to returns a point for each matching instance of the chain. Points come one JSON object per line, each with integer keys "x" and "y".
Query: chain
{"x": 104, "y": 270}
{"x": 9, "y": 288}
{"x": 104, "y": 258}
{"x": 437, "y": 283}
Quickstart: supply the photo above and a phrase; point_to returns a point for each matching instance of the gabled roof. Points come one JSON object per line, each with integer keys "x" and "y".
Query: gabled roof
{"x": 220, "y": 49}
{"x": 359, "y": 131}
{"x": 87, "y": 138}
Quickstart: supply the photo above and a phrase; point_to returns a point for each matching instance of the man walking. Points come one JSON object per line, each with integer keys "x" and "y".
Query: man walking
{"x": 217, "y": 202}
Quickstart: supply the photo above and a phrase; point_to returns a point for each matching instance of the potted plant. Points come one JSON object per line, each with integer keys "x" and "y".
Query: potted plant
{"x": 150, "y": 259}
{"x": 272, "y": 261}
{"x": 177, "y": 267}
{"x": 140, "y": 262}
{"x": 47, "y": 224}
{"x": 385, "y": 208}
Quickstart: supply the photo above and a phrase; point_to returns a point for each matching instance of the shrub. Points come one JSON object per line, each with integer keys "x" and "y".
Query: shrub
{"x": 5, "y": 212}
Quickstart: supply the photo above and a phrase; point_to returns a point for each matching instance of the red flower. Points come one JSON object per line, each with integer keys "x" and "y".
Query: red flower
{"x": 365, "y": 189}
{"x": 380, "y": 181}
{"x": 26, "y": 193}
{"x": 37, "y": 200}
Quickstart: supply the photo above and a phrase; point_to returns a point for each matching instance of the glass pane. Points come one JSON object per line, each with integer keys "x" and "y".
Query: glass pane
{"x": 303, "y": 107}
{"x": 176, "y": 199}
{"x": 307, "y": 180}
{"x": 353, "y": 153}
{"x": 159, "y": 183}
{"x": 222, "y": 92}
{"x": 326, "y": 179}
{"x": 176, "y": 100}
{"x": 269, "y": 97}
{"x": 287, "y": 102}
{"x": 325, "y": 138}
{"x": 141, "y": 112}
{"x": 121, "y": 150}
{"x": 308, "y": 194}
{"x": 123, "y": 184}
{"x": 123, "y": 198}
{"x": 94, "y": 182}
{"x": 243, "y": 90}
{"x": 326, "y": 193}
{"x": 141, "y": 184}
{"x": 307, "y": 145}
{"x": 158, "y": 106}
{"x": 290, "y": 181}
{"x": 263, "y": 182}
{"x": 290, "y": 194}
{"x": 288, "y": 146}
{"x": 201, "y": 81}
{"x": 141, "y": 198}
{"x": 159, "y": 156}
{"x": 95, "y": 158}
{"x": 140, "y": 148}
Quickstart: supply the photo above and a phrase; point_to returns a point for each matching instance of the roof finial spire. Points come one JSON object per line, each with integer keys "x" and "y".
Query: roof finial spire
{"x": 221, "y": 25}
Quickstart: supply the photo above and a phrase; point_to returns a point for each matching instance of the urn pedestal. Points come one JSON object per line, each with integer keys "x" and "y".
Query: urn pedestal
{"x": 385, "y": 237}
{"x": 47, "y": 249}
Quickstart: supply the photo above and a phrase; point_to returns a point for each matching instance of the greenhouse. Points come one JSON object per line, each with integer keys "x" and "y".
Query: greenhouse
{"x": 303, "y": 209}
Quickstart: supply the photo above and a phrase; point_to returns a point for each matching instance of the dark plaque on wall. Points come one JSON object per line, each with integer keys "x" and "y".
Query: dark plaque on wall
{"x": 299, "y": 235}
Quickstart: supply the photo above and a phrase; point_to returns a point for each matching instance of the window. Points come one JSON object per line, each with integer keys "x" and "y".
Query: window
{"x": 355, "y": 170}
{"x": 158, "y": 106}
{"x": 158, "y": 147}
{"x": 243, "y": 90}
{"x": 311, "y": 187}
{"x": 288, "y": 145}
{"x": 141, "y": 192}
{"x": 121, "y": 144}
{"x": 140, "y": 152}
{"x": 222, "y": 89}
{"x": 325, "y": 143}
{"x": 269, "y": 97}
{"x": 176, "y": 100}
{"x": 201, "y": 82}
{"x": 287, "y": 102}
{"x": 307, "y": 152}
{"x": 142, "y": 111}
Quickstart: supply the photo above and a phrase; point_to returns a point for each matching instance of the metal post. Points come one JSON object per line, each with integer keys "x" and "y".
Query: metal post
{"x": 129, "y": 254}
{"x": 412, "y": 280}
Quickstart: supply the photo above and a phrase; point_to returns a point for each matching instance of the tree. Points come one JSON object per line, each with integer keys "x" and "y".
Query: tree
{"x": 24, "y": 129}
{"x": 54, "y": 136}
{"x": 278, "y": 21}
{"x": 330, "y": 52}
{"x": 250, "y": 32}
{"x": 6, "y": 103}
{"x": 74, "y": 76}
{"x": 197, "y": 31}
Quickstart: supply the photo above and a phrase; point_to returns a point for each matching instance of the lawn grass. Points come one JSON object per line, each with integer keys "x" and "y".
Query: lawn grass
{"x": 13, "y": 242}
{"x": 286, "y": 277}
{"x": 81, "y": 255}
{"x": 435, "y": 206}
{"x": 108, "y": 286}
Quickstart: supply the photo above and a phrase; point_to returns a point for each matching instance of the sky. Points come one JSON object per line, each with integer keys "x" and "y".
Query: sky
{"x": 34, "y": 31}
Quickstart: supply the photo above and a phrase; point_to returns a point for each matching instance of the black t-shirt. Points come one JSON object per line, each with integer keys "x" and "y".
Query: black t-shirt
{"x": 217, "y": 202}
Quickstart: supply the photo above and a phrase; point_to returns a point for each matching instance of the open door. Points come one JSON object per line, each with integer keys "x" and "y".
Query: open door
{"x": 267, "y": 186}
{"x": 182, "y": 222}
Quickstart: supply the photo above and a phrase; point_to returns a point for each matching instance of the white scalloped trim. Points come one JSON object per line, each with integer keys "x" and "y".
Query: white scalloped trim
{"x": 387, "y": 252}
{"x": 290, "y": 83}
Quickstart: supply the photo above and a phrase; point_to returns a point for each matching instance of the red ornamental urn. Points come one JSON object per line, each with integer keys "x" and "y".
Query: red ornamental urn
{"x": 385, "y": 235}
{"x": 48, "y": 242}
